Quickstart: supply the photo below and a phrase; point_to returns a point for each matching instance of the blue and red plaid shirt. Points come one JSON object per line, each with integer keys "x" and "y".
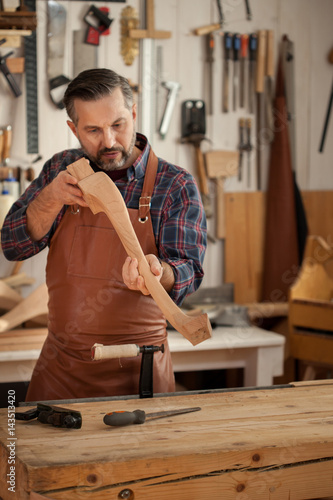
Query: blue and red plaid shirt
{"x": 178, "y": 218}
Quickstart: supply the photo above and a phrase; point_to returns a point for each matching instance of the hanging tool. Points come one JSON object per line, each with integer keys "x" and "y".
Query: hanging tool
{"x": 288, "y": 67}
{"x": 210, "y": 44}
{"x": 122, "y": 418}
{"x": 53, "y": 415}
{"x": 227, "y": 41}
{"x": 147, "y": 68}
{"x": 31, "y": 86}
{"x": 7, "y": 74}
{"x": 98, "y": 23}
{"x": 243, "y": 67}
{"x": 248, "y": 10}
{"x": 241, "y": 147}
{"x": 269, "y": 73}
{"x": 260, "y": 86}
{"x": 193, "y": 132}
{"x": 129, "y": 46}
{"x": 7, "y": 144}
{"x": 100, "y": 351}
{"x": 220, "y": 165}
{"x": 56, "y": 36}
{"x": 248, "y": 148}
{"x": 1, "y": 145}
{"x": 253, "y": 42}
{"x": 173, "y": 88}
{"x": 236, "y": 50}
{"x": 204, "y": 30}
{"x": 328, "y": 112}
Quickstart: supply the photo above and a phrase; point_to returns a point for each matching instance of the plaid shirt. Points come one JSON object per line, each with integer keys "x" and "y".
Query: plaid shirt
{"x": 178, "y": 219}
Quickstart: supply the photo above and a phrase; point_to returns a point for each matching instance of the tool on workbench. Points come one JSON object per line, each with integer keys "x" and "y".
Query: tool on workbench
{"x": 204, "y": 30}
{"x": 173, "y": 88}
{"x": 122, "y": 418}
{"x": 227, "y": 42}
{"x": 19, "y": 19}
{"x": 98, "y": 23}
{"x": 56, "y": 37}
{"x": 53, "y": 415}
{"x": 7, "y": 74}
{"x": 243, "y": 70}
{"x": 100, "y": 351}
{"x": 236, "y": 43}
{"x": 241, "y": 147}
{"x": 248, "y": 148}
{"x": 253, "y": 43}
{"x": 260, "y": 87}
{"x": 328, "y": 112}
{"x": 193, "y": 132}
{"x": 210, "y": 45}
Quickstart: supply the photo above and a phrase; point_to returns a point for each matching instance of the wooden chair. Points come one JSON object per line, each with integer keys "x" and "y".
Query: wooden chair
{"x": 311, "y": 308}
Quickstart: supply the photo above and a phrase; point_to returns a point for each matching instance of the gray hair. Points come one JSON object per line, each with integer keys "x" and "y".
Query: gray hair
{"x": 93, "y": 84}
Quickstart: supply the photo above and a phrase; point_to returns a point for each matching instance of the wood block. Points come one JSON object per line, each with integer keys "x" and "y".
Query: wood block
{"x": 222, "y": 163}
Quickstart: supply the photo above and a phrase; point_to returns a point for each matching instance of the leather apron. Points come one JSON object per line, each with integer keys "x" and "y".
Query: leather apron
{"x": 89, "y": 303}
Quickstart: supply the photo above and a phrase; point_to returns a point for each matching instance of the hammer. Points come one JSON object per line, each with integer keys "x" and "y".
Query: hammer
{"x": 195, "y": 139}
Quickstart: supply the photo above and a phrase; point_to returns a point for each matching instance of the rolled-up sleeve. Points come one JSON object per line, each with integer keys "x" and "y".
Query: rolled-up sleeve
{"x": 183, "y": 236}
{"x": 15, "y": 239}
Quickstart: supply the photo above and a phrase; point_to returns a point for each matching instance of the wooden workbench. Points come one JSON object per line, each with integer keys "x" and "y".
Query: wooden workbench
{"x": 259, "y": 444}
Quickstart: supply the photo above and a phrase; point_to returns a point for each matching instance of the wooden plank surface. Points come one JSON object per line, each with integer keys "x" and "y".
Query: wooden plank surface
{"x": 244, "y": 244}
{"x": 275, "y": 444}
{"x": 245, "y": 226}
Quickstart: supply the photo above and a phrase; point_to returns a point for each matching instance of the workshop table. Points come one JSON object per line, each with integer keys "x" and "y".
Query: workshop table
{"x": 259, "y": 352}
{"x": 266, "y": 443}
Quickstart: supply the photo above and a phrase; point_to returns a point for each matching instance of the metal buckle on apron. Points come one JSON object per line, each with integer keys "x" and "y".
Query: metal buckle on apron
{"x": 73, "y": 211}
{"x": 141, "y": 205}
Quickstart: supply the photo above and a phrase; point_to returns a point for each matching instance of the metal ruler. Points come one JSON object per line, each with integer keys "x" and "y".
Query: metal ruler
{"x": 30, "y": 55}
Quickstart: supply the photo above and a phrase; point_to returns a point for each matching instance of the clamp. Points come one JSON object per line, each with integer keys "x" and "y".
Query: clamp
{"x": 53, "y": 415}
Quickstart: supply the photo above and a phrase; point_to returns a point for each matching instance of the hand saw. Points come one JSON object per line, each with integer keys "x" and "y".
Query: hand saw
{"x": 56, "y": 35}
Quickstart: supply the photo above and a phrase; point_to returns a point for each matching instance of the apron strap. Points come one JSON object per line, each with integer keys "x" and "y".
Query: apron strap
{"x": 148, "y": 187}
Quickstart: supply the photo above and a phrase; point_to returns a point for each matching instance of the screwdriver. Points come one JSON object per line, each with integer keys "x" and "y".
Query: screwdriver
{"x": 227, "y": 56}
{"x": 236, "y": 49}
{"x": 122, "y": 418}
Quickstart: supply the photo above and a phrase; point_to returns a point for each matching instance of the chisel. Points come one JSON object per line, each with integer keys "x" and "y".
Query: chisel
{"x": 260, "y": 87}
{"x": 227, "y": 39}
{"x": 122, "y": 418}
{"x": 210, "y": 43}
{"x": 236, "y": 50}
{"x": 252, "y": 64}
{"x": 241, "y": 147}
{"x": 248, "y": 148}
{"x": 269, "y": 81}
{"x": 243, "y": 61}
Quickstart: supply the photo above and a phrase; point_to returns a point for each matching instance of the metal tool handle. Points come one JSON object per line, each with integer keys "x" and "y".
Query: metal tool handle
{"x": 122, "y": 418}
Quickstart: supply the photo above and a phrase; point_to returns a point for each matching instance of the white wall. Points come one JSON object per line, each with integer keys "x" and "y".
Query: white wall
{"x": 306, "y": 22}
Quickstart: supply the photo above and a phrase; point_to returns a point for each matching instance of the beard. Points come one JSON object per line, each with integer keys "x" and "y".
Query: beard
{"x": 112, "y": 164}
